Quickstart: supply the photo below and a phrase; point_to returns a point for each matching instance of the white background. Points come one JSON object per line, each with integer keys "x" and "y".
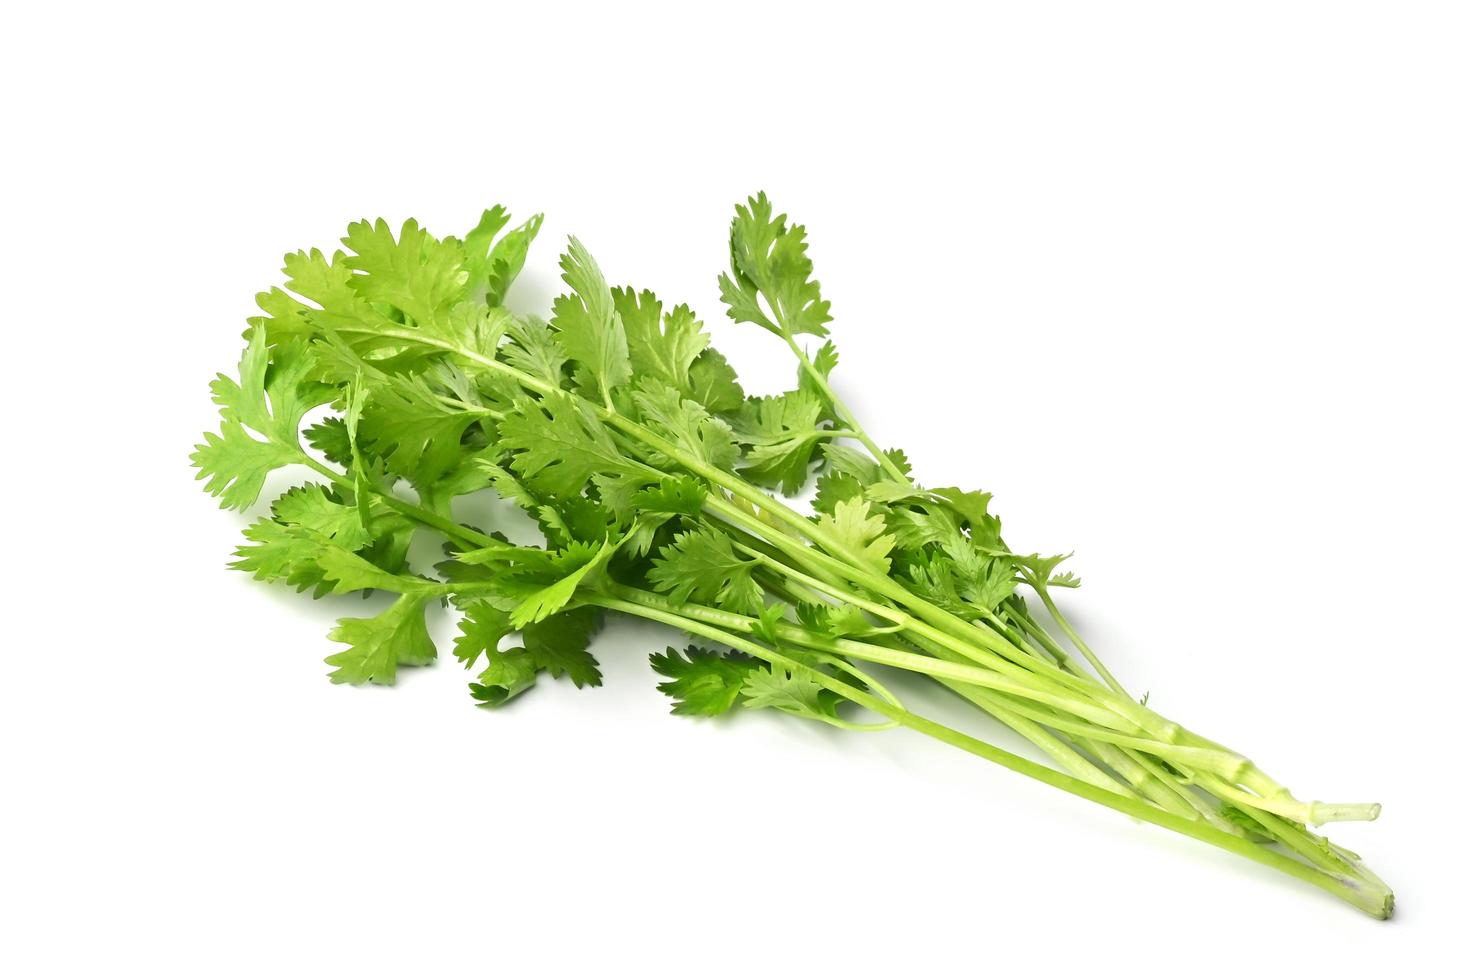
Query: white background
{"x": 1187, "y": 286}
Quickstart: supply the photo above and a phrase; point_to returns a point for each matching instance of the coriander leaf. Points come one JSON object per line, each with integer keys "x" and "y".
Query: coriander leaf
{"x": 559, "y": 645}
{"x": 507, "y": 257}
{"x": 417, "y": 274}
{"x": 793, "y": 691}
{"x": 330, "y": 438}
{"x": 377, "y": 647}
{"x": 703, "y": 682}
{"x": 769, "y": 617}
{"x": 824, "y": 363}
{"x": 548, "y": 600}
{"x": 325, "y": 282}
{"x": 673, "y": 495}
{"x": 349, "y": 572}
{"x": 507, "y": 674}
{"x": 534, "y": 349}
{"x": 587, "y": 324}
{"x": 713, "y": 383}
{"x": 415, "y": 431}
{"x": 782, "y": 432}
{"x": 319, "y": 509}
{"x": 270, "y": 396}
{"x": 496, "y": 265}
{"x": 686, "y": 423}
{"x": 664, "y": 354}
{"x": 558, "y": 444}
{"x": 771, "y": 257}
{"x": 860, "y": 534}
{"x": 236, "y": 465}
{"x": 482, "y": 628}
{"x": 274, "y": 552}
{"x": 700, "y": 564}
{"x": 834, "y": 620}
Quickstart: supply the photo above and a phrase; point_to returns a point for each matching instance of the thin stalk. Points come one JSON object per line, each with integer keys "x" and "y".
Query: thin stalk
{"x": 1373, "y": 901}
{"x": 445, "y": 525}
{"x": 842, "y": 410}
{"x": 1078, "y": 641}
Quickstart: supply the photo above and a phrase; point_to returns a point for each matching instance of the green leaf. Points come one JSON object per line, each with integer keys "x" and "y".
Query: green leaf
{"x": 507, "y": 674}
{"x": 417, "y": 274}
{"x": 416, "y": 432}
{"x": 330, "y": 438}
{"x": 660, "y": 347}
{"x": 673, "y": 495}
{"x": 700, "y": 564}
{"x": 834, "y": 620}
{"x": 860, "y": 533}
{"x": 588, "y": 326}
{"x": 771, "y": 258}
{"x": 377, "y": 647}
{"x": 546, "y": 601}
{"x": 824, "y": 363}
{"x": 782, "y": 433}
{"x": 703, "y": 682}
{"x": 768, "y": 620}
{"x": 534, "y": 349}
{"x": 271, "y": 395}
{"x": 322, "y": 511}
{"x": 713, "y": 383}
{"x": 482, "y": 628}
{"x": 275, "y": 552}
{"x": 235, "y": 465}
{"x": 558, "y": 444}
{"x": 686, "y": 423}
{"x": 559, "y": 645}
{"x": 497, "y": 263}
{"x": 793, "y": 691}
{"x": 349, "y": 572}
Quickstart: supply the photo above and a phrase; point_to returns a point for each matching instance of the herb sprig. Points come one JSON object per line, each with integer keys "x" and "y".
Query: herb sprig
{"x": 655, "y": 481}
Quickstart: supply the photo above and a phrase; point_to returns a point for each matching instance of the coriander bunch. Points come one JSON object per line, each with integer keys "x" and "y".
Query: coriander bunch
{"x": 657, "y": 485}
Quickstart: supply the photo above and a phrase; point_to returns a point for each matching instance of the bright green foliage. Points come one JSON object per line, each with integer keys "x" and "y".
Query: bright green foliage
{"x": 588, "y": 326}
{"x": 859, "y": 534}
{"x": 270, "y": 397}
{"x": 795, "y": 691}
{"x": 626, "y": 438}
{"x": 379, "y": 646}
{"x": 660, "y": 347}
{"x": 496, "y": 263}
{"x": 576, "y": 562}
{"x": 534, "y": 349}
{"x": 558, "y": 445}
{"x": 686, "y": 423}
{"x": 782, "y": 433}
{"x": 559, "y": 645}
{"x": 416, "y": 274}
{"x": 416, "y": 432}
{"x": 507, "y": 674}
{"x": 702, "y": 682}
{"x": 673, "y": 495}
{"x": 770, "y": 258}
{"x": 701, "y": 565}
{"x": 482, "y": 628}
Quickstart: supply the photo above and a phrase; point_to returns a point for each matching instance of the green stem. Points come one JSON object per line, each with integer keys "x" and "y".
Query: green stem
{"x": 445, "y": 525}
{"x": 1078, "y": 642}
{"x": 842, "y": 410}
{"x": 1369, "y": 899}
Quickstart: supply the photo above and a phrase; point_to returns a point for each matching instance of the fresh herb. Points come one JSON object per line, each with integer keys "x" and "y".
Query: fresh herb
{"x": 626, "y": 437}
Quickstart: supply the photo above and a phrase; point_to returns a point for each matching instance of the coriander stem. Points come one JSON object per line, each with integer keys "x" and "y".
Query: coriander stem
{"x": 1374, "y": 901}
{"x": 1075, "y": 638}
{"x": 842, "y": 410}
